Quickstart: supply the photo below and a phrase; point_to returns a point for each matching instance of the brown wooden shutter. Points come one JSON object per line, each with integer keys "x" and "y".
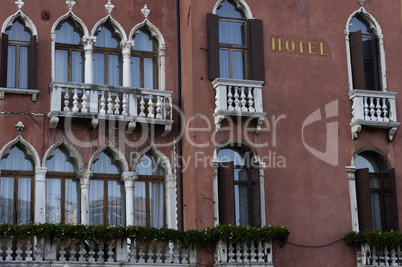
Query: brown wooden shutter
{"x": 376, "y": 70}
{"x": 256, "y": 50}
{"x": 3, "y": 62}
{"x": 364, "y": 199}
{"x": 32, "y": 72}
{"x": 256, "y": 198}
{"x": 226, "y": 193}
{"x": 213, "y": 46}
{"x": 391, "y": 204}
{"x": 356, "y": 54}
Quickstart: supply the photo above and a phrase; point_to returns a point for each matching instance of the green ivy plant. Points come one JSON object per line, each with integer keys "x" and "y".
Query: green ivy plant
{"x": 233, "y": 233}
{"x": 375, "y": 238}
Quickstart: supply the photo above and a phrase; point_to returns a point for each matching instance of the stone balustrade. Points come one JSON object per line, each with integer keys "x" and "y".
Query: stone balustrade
{"x": 378, "y": 256}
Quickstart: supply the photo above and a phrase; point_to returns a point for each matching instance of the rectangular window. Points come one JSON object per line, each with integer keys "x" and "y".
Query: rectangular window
{"x": 99, "y": 68}
{"x": 7, "y": 200}
{"x": 96, "y": 202}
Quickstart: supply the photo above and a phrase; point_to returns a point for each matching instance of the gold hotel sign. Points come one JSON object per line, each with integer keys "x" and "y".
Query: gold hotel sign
{"x": 298, "y": 46}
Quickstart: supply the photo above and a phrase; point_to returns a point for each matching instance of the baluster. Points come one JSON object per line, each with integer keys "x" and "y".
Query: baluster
{"x": 243, "y": 100}
{"x": 169, "y": 253}
{"x": 159, "y": 108}
{"x": 168, "y": 108}
{"x": 378, "y": 109}
{"x": 260, "y": 252}
{"x": 18, "y": 252}
{"x": 62, "y": 251}
{"x": 393, "y": 258}
{"x": 70, "y": 251}
{"x": 141, "y": 253}
{"x": 75, "y": 101}
{"x": 117, "y": 105}
{"x": 150, "y": 107}
{"x": 124, "y": 112}
{"x": 142, "y": 107}
{"x": 230, "y": 253}
{"x": 250, "y": 100}
{"x": 359, "y": 255}
{"x": 91, "y": 251}
{"x": 158, "y": 253}
{"x": 374, "y": 253}
{"x": 236, "y": 97}
{"x": 102, "y": 104}
{"x": 252, "y": 252}
{"x": 245, "y": 251}
{"x": 268, "y": 252}
{"x": 110, "y": 104}
{"x": 39, "y": 250}
{"x": 176, "y": 254}
{"x": 372, "y": 110}
{"x": 230, "y": 99}
{"x": 132, "y": 257}
{"x": 110, "y": 257}
{"x": 366, "y": 110}
{"x": 238, "y": 253}
{"x": 385, "y": 110}
{"x": 28, "y": 251}
{"x": 387, "y": 256}
{"x": 82, "y": 251}
{"x": 9, "y": 250}
{"x": 185, "y": 255}
{"x": 101, "y": 253}
{"x": 66, "y": 101}
{"x": 84, "y": 103}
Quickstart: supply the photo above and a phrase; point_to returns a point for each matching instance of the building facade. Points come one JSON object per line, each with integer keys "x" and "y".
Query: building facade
{"x": 189, "y": 114}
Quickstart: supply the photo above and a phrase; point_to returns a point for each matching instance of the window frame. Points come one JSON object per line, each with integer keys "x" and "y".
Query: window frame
{"x": 142, "y": 55}
{"x": 70, "y": 48}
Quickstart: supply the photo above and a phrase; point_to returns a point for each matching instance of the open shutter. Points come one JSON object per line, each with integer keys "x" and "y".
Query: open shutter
{"x": 256, "y": 198}
{"x": 391, "y": 204}
{"x": 3, "y": 62}
{"x": 213, "y": 46}
{"x": 364, "y": 199}
{"x": 226, "y": 193}
{"x": 32, "y": 63}
{"x": 356, "y": 54}
{"x": 376, "y": 70}
{"x": 256, "y": 50}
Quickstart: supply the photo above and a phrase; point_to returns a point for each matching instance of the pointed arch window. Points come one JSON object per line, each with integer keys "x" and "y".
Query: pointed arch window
{"x": 238, "y": 188}
{"x": 69, "y": 52}
{"x": 16, "y": 187}
{"x": 144, "y": 56}
{"x": 364, "y": 55}
{"x": 107, "y": 57}
{"x": 106, "y": 196}
{"x": 18, "y": 57}
{"x": 149, "y": 195}
{"x": 62, "y": 189}
{"x": 376, "y": 194}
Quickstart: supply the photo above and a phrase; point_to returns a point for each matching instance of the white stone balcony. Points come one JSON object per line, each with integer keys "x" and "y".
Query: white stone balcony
{"x": 378, "y": 256}
{"x": 238, "y": 98}
{"x": 375, "y": 109}
{"x": 249, "y": 253}
{"x": 122, "y": 252}
{"x": 103, "y": 102}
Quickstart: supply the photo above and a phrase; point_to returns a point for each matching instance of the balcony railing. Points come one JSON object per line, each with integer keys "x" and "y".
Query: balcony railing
{"x": 238, "y": 98}
{"x": 374, "y": 109}
{"x": 378, "y": 255}
{"x": 121, "y": 252}
{"x": 102, "y": 102}
{"x": 248, "y": 253}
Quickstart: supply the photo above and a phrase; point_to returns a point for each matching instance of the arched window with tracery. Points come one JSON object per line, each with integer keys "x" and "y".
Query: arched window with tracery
{"x": 62, "y": 189}
{"x": 107, "y": 195}
{"x": 16, "y": 187}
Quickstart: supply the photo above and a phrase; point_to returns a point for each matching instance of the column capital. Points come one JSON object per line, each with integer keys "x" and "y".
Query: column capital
{"x": 41, "y": 170}
{"x": 88, "y": 42}
{"x": 126, "y": 46}
{"x": 129, "y": 176}
{"x": 84, "y": 176}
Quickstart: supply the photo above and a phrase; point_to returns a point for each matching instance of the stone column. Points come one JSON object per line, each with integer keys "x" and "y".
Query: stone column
{"x": 129, "y": 179}
{"x": 40, "y": 195}
{"x": 85, "y": 177}
{"x": 171, "y": 211}
{"x": 89, "y": 72}
{"x": 126, "y": 48}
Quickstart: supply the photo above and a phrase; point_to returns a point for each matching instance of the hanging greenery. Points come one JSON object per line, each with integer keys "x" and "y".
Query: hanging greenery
{"x": 375, "y": 238}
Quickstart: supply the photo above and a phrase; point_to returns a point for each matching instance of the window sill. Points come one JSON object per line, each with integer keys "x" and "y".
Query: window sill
{"x": 32, "y": 92}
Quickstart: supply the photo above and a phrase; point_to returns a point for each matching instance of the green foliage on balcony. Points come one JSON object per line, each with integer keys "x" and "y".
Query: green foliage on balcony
{"x": 375, "y": 238}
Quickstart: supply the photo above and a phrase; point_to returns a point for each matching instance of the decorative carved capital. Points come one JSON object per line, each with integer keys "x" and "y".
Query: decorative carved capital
{"x": 146, "y": 11}
{"x": 126, "y": 46}
{"x": 109, "y": 6}
{"x": 70, "y": 3}
{"x": 391, "y": 133}
{"x": 129, "y": 176}
{"x": 19, "y": 3}
{"x": 351, "y": 172}
{"x": 20, "y": 127}
{"x": 88, "y": 42}
{"x": 84, "y": 177}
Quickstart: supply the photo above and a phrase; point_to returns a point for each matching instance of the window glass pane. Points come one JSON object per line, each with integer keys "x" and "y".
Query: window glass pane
{"x": 241, "y": 204}
{"x": 358, "y": 23}
{"x": 376, "y": 211}
{"x": 140, "y": 204}
{"x": 224, "y": 63}
{"x": 23, "y": 64}
{"x": 99, "y": 68}
{"x": 6, "y": 199}
{"x": 53, "y": 200}
{"x": 96, "y": 202}
{"x": 18, "y": 32}
{"x": 24, "y": 201}
{"x": 231, "y": 32}
{"x": 368, "y": 162}
{"x": 72, "y": 203}
{"x": 11, "y": 66}
{"x": 149, "y": 166}
{"x": 61, "y": 65}
{"x": 375, "y": 182}
{"x": 77, "y": 69}
{"x": 60, "y": 162}
{"x": 149, "y": 73}
{"x": 107, "y": 37}
{"x": 229, "y": 155}
{"x": 238, "y": 65}
{"x": 135, "y": 72}
{"x": 367, "y": 47}
{"x": 369, "y": 75}
{"x": 114, "y": 70}
{"x": 241, "y": 174}
{"x": 143, "y": 41}
{"x": 116, "y": 203}
{"x": 229, "y": 10}
{"x": 105, "y": 164}
{"x": 156, "y": 205}
{"x": 16, "y": 160}
{"x": 68, "y": 33}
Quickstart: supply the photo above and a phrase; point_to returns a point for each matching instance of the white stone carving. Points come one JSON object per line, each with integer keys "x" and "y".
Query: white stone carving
{"x": 28, "y": 23}
{"x": 20, "y": 127}
{"x": 241, "y": 4}
{"x": 362, "y": 2}
{"x": 70, "y": 4}
{"x": 109, "y": 6}
{"x": 146, "y": 11}
{"x": 19, "y": 3}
